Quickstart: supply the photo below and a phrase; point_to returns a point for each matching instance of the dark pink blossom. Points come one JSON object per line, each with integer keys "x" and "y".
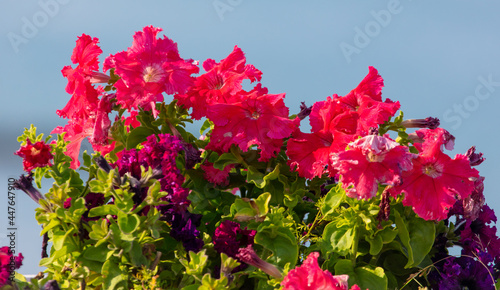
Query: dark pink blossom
{"x": 222, "y": 83}
{"x": 229, "y": 237}
{"x": 370, "y": 161}
{"x": 436, "y": 182}
{"x": 84, "y": 98}
{"x": 366, "y": 102}
{"x": 150, "y": 67}
{"x": 260, "y": 119}
{"x": 35, "y": 155}
{"x": 216, "y": 176}
{"x": 337, "y": 121}
{"x": 309, "y": 276}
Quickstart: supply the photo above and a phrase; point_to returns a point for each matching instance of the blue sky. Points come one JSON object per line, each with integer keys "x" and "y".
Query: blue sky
{"x": 438, "y": 59}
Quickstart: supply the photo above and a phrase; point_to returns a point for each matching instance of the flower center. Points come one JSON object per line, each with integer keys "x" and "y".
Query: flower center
{"x": 432, "y": 170}
{"x": 255, "y": 115}
{"x": 34, "y": 151}
{"x": 153, "y": 73}
{"x": 371, "y": 157}
{"x": 215, "y": 83}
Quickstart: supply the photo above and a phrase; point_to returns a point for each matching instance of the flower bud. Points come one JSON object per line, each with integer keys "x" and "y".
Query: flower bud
{"x": 248, "y": 255}
{"x": 429, "y": 122}
{"x": 25, "y": 184}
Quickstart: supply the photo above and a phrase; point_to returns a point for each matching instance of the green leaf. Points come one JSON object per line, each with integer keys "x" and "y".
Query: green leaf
{"x": 209, "y": 283}
{"x": 388, "y": 234}
{"x": 207, "y": 124}
{"x": 53, "y": 222}
{"x": 332, "y": 200}
{"x": 417, "y": 237}
{"x": 224, "y": 160}
{"x": 371, "y": 278}
{"x": 99, "y": 254}
{"x": 338, "y": 240}
{"x": 196, "y": 264}
{"x": 136, "y": 255}
{"x": 113, "y": 276}
{"x": 262, "y": 203}
{"x": 137, "y": 136}
{"x": 256, "y": 177}
{"x": 247, "y": 210}
{"x": 281, "y": 241}
{"x": 376, "y": 244}
{"x": 191, "y": 287}
{"x": 104, "y": 210}
{"x": 366, "y": 277}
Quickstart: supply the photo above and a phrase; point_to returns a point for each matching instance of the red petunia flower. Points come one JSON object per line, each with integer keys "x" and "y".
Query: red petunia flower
{"x": 260, "y": 119}
{"x": 150, "y": 67}
{"x": 337, "y": 121}
{"x": 96, "y": 128}
{"x": 35, "y": 155}
{"x": 369, "y": 161}
{"x": 311, "y": 153}
{"x": 84, "y": 97}
{"x": 220, "y": 84}
{"x": 436, "y": 182}
{"x": 309, "y": 276}
{"x": 366, "y": 101}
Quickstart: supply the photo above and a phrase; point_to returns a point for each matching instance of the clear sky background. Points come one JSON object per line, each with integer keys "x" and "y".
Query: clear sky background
{"x": 438, "y": 58}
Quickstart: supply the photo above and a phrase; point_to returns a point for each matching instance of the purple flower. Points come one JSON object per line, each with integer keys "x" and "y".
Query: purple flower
{"x": 160, "y": 155}
{"x": 464, "y": 273}
{"x": 51, "y": 285}
{"x": 478, "y": 236}
{"x": 184, "y": 230}
{"x": 229, "y": 238}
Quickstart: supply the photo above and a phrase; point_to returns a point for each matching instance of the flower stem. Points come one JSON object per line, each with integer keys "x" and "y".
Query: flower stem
{"x": 355, "y": 245}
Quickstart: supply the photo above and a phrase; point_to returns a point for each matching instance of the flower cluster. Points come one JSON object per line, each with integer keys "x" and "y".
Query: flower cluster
{"x": 256, "y": 200}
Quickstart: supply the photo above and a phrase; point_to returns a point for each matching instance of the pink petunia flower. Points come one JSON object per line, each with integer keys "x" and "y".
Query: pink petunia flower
{"x": 425, "y": 139}
{"x": 436, "y": 182}
{"x": 366, "y": 101}
{"x": 369, "y": 161}
{"x": 216, "y": 176}
{"x": 260, "y": 119}
{"x": 222, "y": 83}
{"x": 311, "y": 153}
{"x": 150, "y": 67}
{"x": 337, "y": 121}
{"x": 309, "y": 276}
{"x": 35, "y": 155}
